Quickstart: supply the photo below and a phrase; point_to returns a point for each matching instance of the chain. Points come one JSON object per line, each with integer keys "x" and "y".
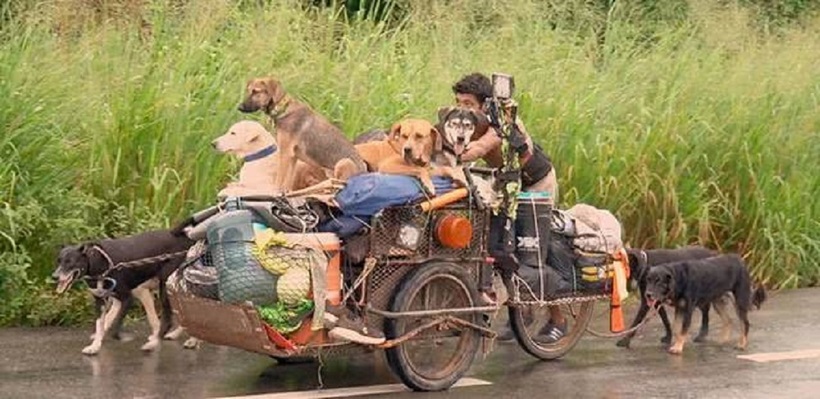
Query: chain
{"x": 653, "y": 311}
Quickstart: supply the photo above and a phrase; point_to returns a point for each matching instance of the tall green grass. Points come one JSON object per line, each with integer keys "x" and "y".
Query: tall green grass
{"x": 695, "y": 130}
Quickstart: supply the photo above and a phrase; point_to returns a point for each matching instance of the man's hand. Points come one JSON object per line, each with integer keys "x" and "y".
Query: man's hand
{"x": 480, "y": 147}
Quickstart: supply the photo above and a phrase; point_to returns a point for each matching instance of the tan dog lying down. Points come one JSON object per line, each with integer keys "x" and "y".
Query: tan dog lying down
{"x": 250, "y": 141}
{"x": 409, "y": 149}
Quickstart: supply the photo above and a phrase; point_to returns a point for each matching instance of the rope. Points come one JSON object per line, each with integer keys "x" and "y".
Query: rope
{"x": 148, "y": 261}
{"x": 653, "y": 311}
{"x": 321, "y": 360}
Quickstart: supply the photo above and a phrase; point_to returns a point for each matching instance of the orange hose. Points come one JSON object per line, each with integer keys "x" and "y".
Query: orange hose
{"x": 444, "y": 200}
{"x": 616, "y": 314}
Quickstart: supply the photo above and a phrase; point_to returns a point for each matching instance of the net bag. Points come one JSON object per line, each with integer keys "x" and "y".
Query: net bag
{"x": 241, "y": 276}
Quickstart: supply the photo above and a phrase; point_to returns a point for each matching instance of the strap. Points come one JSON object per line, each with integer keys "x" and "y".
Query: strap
{"x": 269, "y": 150}
{"x": 104, "y": 254}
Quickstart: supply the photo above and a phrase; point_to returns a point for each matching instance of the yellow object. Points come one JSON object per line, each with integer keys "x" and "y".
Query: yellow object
{"x": 620, "y": 280}
{"x": 293, "y": 286}
{"x": 268, "y": 237}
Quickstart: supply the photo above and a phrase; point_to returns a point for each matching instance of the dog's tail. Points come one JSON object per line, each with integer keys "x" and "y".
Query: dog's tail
{"x": 759, "y": 296}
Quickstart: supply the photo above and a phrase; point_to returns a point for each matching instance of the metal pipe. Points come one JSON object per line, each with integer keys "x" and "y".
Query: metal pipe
{"x": 439, "y": 312}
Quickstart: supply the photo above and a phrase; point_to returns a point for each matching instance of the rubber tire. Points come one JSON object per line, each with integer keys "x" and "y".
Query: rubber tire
{"x": 412, "y": 284}
{"x": 551, "y": 351}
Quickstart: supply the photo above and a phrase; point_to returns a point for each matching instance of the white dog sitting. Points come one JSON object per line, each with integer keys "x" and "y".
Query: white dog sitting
{"x": 256, "y": 146}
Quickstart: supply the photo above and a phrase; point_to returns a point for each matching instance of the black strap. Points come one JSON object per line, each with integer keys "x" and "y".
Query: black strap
{"x": 537, "y": 167}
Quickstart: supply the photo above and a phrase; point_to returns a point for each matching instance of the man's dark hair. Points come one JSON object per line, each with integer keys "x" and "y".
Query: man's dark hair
{"x": 476, "y": 84}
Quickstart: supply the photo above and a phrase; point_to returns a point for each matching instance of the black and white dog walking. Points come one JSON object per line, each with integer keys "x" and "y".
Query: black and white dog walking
{"x": 118, "y": 270}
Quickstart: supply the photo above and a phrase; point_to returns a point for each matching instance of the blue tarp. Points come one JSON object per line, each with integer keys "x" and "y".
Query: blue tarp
{"x": 365, "y": 195}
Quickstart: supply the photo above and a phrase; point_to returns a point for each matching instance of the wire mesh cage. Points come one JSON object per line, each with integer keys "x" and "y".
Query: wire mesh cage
{"x": 393, "y": 227}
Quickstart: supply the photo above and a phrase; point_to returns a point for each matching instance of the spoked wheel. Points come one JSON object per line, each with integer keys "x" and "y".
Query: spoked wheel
{"x": 528, "y": 323}
{"x": 438, "y": 356}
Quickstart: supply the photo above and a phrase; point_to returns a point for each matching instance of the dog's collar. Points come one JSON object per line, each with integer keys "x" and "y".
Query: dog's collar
{"x": 269, "y": 150}
{"x": 280, "y": 107}
{"x": 104, "y": 254}
{"x": 446, "y": 146}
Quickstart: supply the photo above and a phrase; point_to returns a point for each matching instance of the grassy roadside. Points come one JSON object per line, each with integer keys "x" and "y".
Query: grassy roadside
{"x": 696, "y": 130}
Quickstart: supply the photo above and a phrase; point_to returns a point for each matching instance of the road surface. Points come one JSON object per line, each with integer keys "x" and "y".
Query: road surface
{"x": 784, "y": 362}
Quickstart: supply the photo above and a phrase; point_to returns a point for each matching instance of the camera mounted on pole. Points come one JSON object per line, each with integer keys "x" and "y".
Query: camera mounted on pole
{"x": 502, "y": 111}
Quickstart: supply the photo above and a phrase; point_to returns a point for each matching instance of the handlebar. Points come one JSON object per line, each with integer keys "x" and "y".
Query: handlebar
{"x": 481, "y": 170}
{"x": 207, "y": 213}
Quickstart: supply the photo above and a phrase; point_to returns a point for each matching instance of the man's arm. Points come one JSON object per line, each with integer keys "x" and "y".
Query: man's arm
{"x": 480, "y": 147}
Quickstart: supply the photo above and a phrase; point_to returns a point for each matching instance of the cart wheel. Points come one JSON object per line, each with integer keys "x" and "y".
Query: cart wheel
{"x": 527, "y": 327}
{"x": 436, "y": 358}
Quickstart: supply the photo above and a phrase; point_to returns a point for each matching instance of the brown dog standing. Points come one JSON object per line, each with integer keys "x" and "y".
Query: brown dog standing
{"x": 410, "y": 148}
{"x": 301, "y": 134}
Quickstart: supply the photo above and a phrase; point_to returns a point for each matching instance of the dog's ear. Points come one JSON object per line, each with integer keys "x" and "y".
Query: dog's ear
{"x": 395, "y": 132}
{"x": 255, "y": 134}
{"x": 438, "y": 141}
{"x": 444, "y": 113}
{"x": 634, "y": 268}
{"x": 274, "y": 89}
{"x": 637, "y": 264}
{"x": 482, "y": 124}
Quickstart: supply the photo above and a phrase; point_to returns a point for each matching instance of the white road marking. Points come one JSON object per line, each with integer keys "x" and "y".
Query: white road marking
{"x": 356, "y": 391}
{"x": 779, "y": 356}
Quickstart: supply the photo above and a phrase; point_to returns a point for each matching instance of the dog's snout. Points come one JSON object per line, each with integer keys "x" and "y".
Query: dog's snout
{"x": 247, "y": 107}
{"x": 213, "y": 144}
{"x": 55, "y": 276}
{"x": 408, "y": 151}
{"x": 460, "y": 139}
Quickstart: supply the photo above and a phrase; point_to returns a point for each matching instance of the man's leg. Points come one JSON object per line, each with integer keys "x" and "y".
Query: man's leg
{"x": 550, "y": 184}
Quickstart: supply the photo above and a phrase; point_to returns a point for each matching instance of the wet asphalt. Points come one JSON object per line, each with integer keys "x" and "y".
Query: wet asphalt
{"x": 47, "y": 363}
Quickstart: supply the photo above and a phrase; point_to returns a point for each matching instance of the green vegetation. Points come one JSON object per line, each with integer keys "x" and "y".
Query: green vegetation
{"x": 692, "y": 122}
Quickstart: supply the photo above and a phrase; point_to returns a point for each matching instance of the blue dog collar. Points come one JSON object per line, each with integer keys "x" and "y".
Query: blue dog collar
{"x": 260, "y": 154}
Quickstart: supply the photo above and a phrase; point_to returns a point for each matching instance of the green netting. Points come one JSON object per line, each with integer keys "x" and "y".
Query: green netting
{"x": 241, "y": 277}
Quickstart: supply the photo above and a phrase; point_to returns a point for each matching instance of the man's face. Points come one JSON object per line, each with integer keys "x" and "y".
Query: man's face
{"x": 468, "y": 101}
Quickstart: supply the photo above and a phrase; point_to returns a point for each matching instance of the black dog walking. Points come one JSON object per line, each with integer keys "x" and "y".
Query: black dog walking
{"x": 691, "y": 283}
{"x": 117, "y": 270}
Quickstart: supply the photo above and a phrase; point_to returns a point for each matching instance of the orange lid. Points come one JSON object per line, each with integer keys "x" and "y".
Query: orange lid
{"x": 454, "y": 231}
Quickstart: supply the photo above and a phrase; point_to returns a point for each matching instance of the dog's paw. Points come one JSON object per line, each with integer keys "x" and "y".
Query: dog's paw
{"x": 152, "y": 344}
{"x": 91, "y": 350}
{"x": 191, "y": 343}
{"x": 174, "y": 334}
{"x": 675, "y": 350}
{"x": 700, "y": 338}
{"x": 666, "y": 340}
{"x": 623, "y": 343}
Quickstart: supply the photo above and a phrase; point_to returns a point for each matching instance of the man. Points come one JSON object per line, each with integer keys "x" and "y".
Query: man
{"x": 537, "y": 174}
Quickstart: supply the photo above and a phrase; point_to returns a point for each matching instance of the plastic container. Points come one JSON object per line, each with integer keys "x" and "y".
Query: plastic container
{"x": 532, "y": 228}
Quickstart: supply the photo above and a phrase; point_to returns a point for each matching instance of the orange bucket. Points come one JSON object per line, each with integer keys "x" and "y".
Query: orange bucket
{"x": 454, "y": 231}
